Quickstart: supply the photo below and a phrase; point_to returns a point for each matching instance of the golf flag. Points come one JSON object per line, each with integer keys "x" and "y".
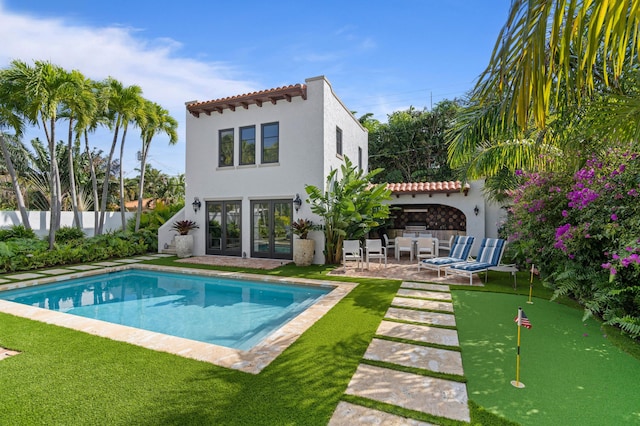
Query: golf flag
{"x": 522, "y": 319}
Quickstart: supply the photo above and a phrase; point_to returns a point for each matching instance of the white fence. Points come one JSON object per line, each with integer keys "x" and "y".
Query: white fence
{"x": 39, "y": 221}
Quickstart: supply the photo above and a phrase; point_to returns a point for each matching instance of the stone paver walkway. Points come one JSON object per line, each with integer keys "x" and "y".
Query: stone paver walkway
{"x": 417, "y": 317}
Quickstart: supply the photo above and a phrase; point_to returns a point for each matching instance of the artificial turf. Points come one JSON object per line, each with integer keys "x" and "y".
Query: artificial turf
{"x": 65, "y": 377}
{"x": 572, "y": 373}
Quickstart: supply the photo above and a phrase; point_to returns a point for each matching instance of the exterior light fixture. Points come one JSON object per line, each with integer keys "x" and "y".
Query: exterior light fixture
{"x": 196, "y": 204}
{"x": 297, "y": 202}
{"x": 476, "y": 210}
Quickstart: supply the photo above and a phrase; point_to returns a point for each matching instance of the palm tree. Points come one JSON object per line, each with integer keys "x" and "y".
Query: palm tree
{"x": 158, "y": 121}
{"x": 536, "y": 104}
{"x": 548, "y": 45}
{"x": 79, "y": 109}
{"x": 9, "y": 118}
{"x": 123, "y": 105}
{"x": 43, "y": 88}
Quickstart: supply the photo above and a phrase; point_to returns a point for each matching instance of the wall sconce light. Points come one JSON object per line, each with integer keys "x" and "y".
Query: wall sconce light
{"x": 196, "y": 204}
{"x": 297, "y": 202}
{"x": 476, "y": 210}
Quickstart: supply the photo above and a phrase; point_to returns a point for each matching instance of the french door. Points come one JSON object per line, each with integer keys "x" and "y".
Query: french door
{"x": 271, "y": 229}
{"x": 224, "y": 228}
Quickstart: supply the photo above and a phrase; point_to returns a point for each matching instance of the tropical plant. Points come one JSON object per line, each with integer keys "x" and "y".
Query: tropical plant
{"x": 123, "y": 104}
{"x": 184, "y": 226}
{"x": 561, "y": 85}
{"x": 9, "y": 118}
{"x": 42, "y": 89}
{"x": 350, "y": 206}
{"x": 302, "y": 227}
{"x": 580, "y": 230}
{"x": 158, "y": 121}
{"x": 411, "y": 145}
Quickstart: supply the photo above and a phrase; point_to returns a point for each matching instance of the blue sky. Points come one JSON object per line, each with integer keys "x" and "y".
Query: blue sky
{"x": 380, "y": 56}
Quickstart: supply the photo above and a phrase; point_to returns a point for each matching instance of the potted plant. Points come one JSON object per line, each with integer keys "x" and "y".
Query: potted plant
{"x": 303, "y": 247}
{"x": 184, "y": 241}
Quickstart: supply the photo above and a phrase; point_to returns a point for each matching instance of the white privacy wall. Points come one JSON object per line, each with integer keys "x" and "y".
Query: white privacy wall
{"x": 39, "y": 221}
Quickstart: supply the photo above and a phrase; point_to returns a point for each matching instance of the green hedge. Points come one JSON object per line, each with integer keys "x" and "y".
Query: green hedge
{"x": 18, "y": 253}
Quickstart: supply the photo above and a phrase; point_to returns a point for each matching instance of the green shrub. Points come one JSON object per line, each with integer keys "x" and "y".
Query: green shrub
{"x": 16, "y": 231}
{"x": 67, "y": 234}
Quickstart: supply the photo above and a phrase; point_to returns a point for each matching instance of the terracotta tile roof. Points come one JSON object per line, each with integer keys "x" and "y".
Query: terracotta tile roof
{"x": 255, "y": 98}
{"x": 428, "y": 187}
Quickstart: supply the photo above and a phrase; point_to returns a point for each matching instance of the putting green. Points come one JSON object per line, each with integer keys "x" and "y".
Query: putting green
{"x": 572, "y": 374}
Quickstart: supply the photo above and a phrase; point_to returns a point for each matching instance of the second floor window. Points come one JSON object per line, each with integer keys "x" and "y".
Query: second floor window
{"x": 248, "y": 145}
{"x": 270, "y": 142}
{"x": 225, "y": 148}
{"x": 338, "y": 141}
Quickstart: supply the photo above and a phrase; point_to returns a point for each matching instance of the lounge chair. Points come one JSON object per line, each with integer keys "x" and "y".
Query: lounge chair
{"x": 375, "y": 250}
{"x": 459, "y": 252}
{"x": 489, "y": 256}
{"x": 351, "y": 250}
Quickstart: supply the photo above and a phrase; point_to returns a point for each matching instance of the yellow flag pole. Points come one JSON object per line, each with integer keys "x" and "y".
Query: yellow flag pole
{"x": 517, "y": 383}
{"x": 531, "y": 285}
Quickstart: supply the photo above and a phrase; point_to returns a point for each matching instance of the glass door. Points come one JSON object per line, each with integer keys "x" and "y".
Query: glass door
{"x": 224, "y": 227}
{"x": 271, "y": 235}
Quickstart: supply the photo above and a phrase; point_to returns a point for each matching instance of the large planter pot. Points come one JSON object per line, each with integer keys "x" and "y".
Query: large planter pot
{"x": 303, "y": 251}
{"x": 184, "y": 245}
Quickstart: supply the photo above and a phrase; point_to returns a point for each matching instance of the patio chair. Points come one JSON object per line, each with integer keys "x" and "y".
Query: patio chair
{"x": 424, "y": 235}
{"x": 375, "y": 250}
{"x": 351, "y": 250}
{"x": 489, "y": 256}
{"x": 403, "y": 245}
{"x": 426, "y": 248}
{"x": 447, "y": 245}
{"x": 459, "y": 252}
{"x": 389, "y": 244}
{"x": 408, "y": 234}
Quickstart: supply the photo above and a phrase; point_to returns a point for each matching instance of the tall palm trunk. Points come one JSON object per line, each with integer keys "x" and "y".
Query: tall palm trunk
{"x": 14, "y": 181}
{"x": 94, "y": 185}
{"x": 72, "y": 178}
{"x": 123, "y": 210}
{"x": 54, "y": 180}
{"x": 143, "y": 166}
{"x": 105, "y": 184}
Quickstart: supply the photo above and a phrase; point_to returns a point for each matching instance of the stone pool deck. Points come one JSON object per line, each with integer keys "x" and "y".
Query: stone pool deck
{"x": 251, "y": 361}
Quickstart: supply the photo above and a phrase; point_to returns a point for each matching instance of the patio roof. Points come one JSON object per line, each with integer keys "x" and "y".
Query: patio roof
{"x": 412, "y": 188}
{"x": 254, "y": 98}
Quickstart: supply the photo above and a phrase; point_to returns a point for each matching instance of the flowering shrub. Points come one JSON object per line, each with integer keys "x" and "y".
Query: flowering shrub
{"x": 583, "y": 233}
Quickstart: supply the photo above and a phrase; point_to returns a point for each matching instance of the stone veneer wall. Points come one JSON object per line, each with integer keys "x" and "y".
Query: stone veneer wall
{"x": 435, "y": 217}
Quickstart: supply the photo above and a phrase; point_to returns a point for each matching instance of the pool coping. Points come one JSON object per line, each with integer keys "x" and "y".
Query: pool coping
{"x": 252, "y": 361}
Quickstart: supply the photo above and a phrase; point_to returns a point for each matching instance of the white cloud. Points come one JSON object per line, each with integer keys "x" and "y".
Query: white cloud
{"x": 123, "y": 53}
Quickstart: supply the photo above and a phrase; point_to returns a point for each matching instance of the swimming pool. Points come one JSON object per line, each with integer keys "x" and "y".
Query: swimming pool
{"x": 264, "y": 345}
{"x": 228, "y": 312}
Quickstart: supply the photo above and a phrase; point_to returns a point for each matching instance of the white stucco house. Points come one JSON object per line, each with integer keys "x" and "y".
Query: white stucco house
{"x": 249, "y": 157}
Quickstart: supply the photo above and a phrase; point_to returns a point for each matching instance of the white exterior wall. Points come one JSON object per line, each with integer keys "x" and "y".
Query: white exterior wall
{"x": 304, "y": 144}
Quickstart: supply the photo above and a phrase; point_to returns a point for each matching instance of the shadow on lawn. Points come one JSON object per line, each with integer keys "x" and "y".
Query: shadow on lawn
{"x": 302, "y": 386}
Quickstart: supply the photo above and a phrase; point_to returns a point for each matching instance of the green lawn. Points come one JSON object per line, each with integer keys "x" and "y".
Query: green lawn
{"x": 573, "y": 374}
{"x": 68, "y": 377}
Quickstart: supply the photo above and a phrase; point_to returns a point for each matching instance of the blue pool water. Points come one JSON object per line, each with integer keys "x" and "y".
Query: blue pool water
{"x": 232, "y": 313}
